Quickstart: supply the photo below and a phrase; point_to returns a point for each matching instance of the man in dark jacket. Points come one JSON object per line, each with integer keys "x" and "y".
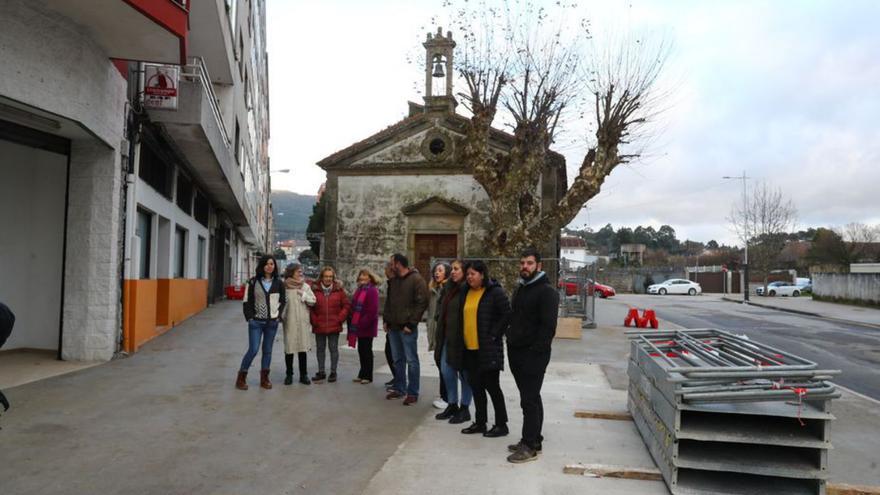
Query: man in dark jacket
{"x": 7, "y": 320}
{"x": 535, "y": 306}
{"x": 405, "y": 304}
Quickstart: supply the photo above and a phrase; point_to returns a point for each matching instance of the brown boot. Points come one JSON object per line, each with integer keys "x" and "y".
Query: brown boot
{"x": 264, "y": 379}
{"x": 241, "y": 381}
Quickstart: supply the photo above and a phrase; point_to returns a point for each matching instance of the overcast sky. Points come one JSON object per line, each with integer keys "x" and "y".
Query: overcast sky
{"x": 788, "y": 92}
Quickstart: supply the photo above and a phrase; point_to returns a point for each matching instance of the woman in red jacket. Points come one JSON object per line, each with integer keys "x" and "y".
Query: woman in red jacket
{"x": 329, "y": 312}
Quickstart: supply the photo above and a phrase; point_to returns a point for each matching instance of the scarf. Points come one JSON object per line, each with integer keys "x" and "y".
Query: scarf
{"x": 357, "y": 307}
{"x": 290, "y": 283}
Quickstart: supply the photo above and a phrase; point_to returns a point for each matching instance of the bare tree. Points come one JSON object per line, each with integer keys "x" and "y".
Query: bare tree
{"x": 762, "y": 221}
{"x": 544, "y": 78}
{"x": 859, "y": 238}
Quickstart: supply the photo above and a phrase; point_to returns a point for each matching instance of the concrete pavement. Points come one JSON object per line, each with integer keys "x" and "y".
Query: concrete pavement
{"x": 168, "y": 420}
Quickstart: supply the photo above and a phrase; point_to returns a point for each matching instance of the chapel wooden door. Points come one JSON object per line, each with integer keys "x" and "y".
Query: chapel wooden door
{"x": 429, "y": 246}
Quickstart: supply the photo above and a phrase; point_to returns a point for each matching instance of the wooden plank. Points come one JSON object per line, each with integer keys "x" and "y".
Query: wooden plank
{"x": 844, "y": 489}
{"x": 569, "y": 328}
{"x": 615, "y": 416}
{"x": 605, "y": 471}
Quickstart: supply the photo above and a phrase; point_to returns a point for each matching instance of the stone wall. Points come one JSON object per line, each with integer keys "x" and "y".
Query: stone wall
{"x": 370, "y": 224}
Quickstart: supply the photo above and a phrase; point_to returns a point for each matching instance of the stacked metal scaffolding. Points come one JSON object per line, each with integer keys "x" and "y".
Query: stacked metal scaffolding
{"x": 722, "y": 414}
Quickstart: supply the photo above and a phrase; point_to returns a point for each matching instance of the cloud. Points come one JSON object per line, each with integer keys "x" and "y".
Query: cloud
{"x": 788, "y": 92}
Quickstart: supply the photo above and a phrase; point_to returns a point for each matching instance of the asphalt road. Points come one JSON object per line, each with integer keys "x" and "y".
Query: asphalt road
{"x": 853, "y": 349}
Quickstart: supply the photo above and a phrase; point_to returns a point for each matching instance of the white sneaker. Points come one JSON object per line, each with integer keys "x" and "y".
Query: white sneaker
{"x": 440, "y": 404}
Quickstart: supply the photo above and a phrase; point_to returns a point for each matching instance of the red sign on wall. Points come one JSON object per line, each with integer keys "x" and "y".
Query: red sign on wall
{"x": 160, "y": 86}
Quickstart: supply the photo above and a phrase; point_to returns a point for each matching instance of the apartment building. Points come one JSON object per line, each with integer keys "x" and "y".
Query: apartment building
{"x": 134, "y": 165}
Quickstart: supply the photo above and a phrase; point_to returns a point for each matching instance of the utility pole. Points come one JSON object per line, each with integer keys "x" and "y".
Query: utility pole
{"x": 745, "y": 268}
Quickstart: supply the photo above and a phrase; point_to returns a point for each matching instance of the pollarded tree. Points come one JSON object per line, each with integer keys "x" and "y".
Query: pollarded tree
{"x": 524, "y": 66}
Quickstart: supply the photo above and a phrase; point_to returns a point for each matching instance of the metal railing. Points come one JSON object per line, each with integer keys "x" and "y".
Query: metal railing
{"x": 197, "y": 71}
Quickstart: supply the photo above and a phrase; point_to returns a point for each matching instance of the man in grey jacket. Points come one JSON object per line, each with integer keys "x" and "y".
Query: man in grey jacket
{"x": 405, "y": 304}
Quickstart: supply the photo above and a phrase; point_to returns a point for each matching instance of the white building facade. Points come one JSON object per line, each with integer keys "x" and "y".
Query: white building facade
{"x": 98, "y": 193}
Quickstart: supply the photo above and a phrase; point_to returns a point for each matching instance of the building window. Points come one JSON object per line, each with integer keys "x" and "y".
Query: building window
{"x": 201, "y": 208}
{"x": 237, "y": 151}
{"x": 184, "y": 193}
{"x": 202, "y": 254}
{"x": 179, "y": 253}
{"x": 155, "y": 172}
{"x": 144, "y": 233}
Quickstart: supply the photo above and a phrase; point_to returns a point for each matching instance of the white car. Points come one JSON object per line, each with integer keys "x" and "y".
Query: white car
{"x": 676, "y": 286}
{"x": 781, "y": 289}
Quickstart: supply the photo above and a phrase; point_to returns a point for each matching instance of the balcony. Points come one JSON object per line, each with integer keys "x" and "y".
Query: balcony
{"x": 210, "y": 37}
{"x": 198, "y": 133}
{"x": 145, "y": 30}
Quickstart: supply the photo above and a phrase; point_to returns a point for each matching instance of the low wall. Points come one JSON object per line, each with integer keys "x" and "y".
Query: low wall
{"x": 862, "y": 288}
{"x": 152, "y": 307}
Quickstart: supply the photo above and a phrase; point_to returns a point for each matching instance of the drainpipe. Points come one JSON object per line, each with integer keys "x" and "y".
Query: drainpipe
{"x": 133, "y": 115}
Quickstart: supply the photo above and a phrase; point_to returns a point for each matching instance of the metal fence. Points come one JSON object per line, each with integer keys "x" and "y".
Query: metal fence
{"x": 577, "y": 292}
{"x": 720, "y": 413}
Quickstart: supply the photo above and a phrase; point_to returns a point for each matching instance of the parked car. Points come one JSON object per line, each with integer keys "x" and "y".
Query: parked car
{"x": 601, "y": 290}
{"x": 805, "y": 284}
{"x": 676, "y": 286}
{"x": 772, "y": 285}
{"x": 780, "y": 289}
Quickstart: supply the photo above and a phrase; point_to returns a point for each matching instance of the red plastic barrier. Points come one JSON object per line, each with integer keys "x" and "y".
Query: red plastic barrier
{"x": 632, "y": 316}
{"x": 235, "y": 292}
{"x": 650, "y": 317}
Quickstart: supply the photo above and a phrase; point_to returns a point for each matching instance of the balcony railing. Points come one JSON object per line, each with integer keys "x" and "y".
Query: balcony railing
{"x": 197, "y": 71}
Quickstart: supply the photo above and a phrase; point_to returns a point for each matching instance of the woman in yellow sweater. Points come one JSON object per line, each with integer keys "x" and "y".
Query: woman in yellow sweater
{"x": 486, "y": 311}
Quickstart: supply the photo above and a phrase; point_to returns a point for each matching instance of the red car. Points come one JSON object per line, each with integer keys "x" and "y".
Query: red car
{"x": 601, "y": 290}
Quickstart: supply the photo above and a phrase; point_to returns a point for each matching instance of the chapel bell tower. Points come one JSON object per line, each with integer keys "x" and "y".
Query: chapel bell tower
{"x": 438, "y": 72}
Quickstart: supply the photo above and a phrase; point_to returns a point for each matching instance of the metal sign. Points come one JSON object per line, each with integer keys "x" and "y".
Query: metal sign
{"x": 161, "y": 83}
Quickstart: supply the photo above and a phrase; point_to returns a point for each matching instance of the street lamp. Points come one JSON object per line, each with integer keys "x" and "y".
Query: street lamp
{"x": 745, "y": 271}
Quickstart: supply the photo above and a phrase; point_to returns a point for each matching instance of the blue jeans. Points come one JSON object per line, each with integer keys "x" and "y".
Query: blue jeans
{"x": 404, "y": 350}
{"x": 256, "y": 330}
{"x": 452, "y": 377}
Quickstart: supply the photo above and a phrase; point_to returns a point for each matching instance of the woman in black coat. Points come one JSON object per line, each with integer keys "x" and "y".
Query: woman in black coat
{"x": 485, "y": 315}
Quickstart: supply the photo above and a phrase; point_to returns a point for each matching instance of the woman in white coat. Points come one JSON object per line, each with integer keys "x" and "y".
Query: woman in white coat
{"x": 297, "y": 327}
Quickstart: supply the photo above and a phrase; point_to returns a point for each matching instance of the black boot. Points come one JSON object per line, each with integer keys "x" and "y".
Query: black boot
{"x": 288, "y": 368}
{"x": 462, "y": 416}
{"x": 303, "y": 370}
{"x": 447, "y": 413}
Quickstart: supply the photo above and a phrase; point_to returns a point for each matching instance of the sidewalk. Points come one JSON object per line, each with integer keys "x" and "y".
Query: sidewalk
{"x": 438, "y": 459}
{"x": 805, "y": 305}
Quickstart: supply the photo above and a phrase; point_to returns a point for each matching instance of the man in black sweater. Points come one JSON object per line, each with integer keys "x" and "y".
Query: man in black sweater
{"x": 532, "y": 328}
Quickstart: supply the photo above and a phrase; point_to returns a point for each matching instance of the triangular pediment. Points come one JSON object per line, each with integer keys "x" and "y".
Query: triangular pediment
{"x": 407, "y": 143}
{"x": 436, "y": 205}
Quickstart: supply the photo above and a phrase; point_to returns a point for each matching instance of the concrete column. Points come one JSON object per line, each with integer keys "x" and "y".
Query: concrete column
{"x": 92, "y": 313}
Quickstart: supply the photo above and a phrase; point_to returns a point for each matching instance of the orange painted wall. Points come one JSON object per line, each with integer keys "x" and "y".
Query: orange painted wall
{"x": 154, "y": 306}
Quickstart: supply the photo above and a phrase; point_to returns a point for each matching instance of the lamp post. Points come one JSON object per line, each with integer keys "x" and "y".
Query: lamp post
{"x": 745, "y": 270}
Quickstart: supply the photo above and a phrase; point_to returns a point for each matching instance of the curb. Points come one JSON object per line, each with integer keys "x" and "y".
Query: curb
{"x": 805, "y": 313}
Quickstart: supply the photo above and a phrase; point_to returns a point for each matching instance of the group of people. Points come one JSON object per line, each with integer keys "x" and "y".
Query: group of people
{"x": 468, "y": 316}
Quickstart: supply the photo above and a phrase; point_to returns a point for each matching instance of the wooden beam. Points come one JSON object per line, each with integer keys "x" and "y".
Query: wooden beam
{"x": 612, "y": 415}
{"x": 844, "y": 489}
{"x": 604, "y": 471}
